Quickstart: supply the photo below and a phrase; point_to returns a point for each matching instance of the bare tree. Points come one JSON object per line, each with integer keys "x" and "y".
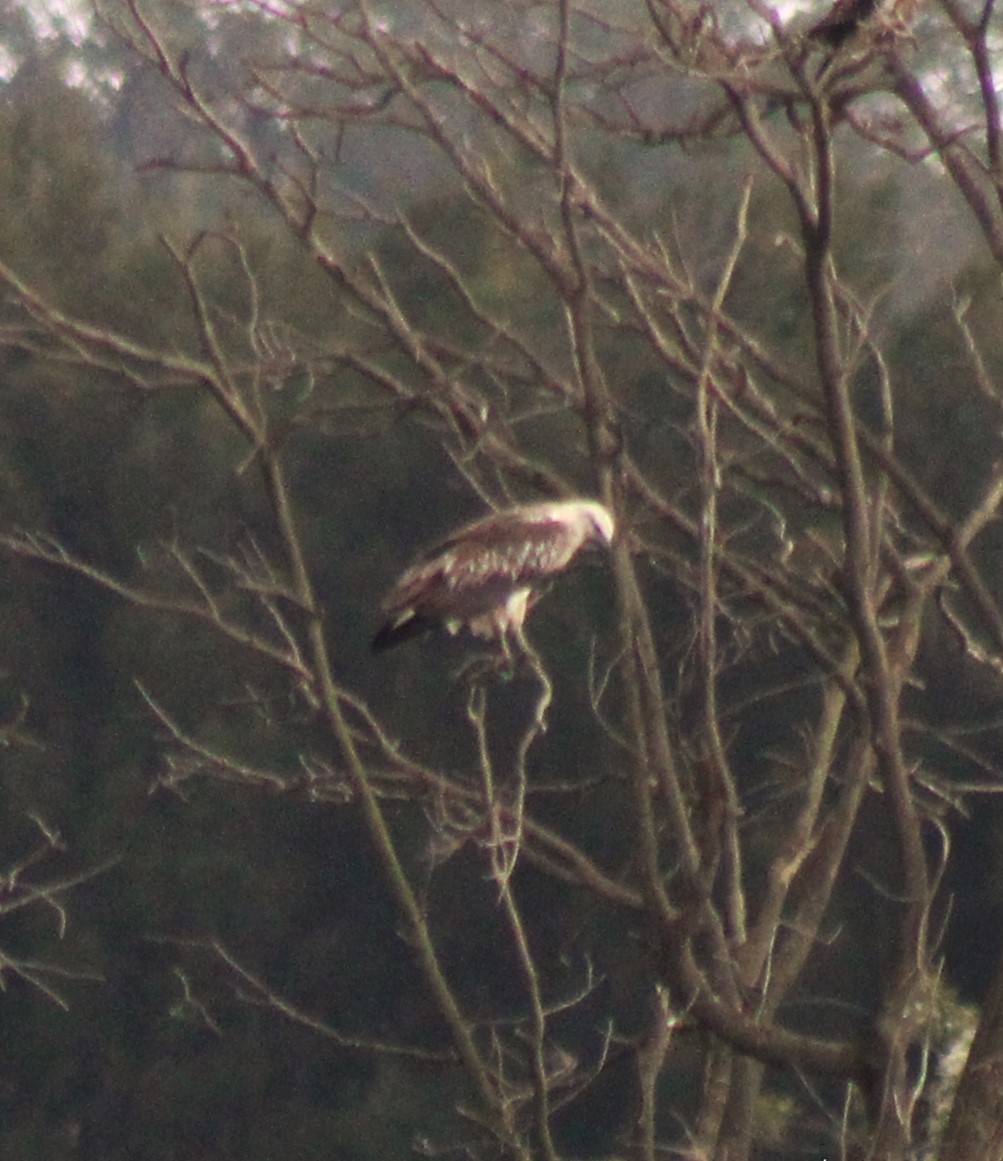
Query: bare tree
{"x": 768, "y": 476}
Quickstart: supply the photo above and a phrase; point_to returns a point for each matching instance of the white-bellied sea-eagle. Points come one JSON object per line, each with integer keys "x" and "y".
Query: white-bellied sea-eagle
{"x": 484, "y": 577}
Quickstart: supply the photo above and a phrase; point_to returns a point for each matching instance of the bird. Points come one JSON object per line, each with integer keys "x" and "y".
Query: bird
{"x": 887, "y": 20}
{"x": 485, "y": 576}
{"x": 842, "y": 21}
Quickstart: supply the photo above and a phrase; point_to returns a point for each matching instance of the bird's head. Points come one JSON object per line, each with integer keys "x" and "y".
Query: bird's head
{"x": 599, "y": 523}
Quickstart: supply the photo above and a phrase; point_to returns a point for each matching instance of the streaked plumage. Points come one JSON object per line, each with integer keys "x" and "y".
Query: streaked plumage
{"x": 483, "y": 577}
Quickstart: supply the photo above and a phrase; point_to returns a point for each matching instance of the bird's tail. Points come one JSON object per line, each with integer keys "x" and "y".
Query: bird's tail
{"x": 398, "y": 631}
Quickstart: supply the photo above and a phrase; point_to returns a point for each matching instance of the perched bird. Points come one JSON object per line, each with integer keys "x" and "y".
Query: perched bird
{"x": 842, "y": 21}
{"x": 484, "y": 576}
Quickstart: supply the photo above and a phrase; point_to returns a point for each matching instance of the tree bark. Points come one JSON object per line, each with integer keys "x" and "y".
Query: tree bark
{"x": 975, "y": 1129}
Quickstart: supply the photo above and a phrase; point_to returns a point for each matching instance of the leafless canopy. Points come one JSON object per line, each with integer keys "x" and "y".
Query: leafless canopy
{"x": 662, "y": 283}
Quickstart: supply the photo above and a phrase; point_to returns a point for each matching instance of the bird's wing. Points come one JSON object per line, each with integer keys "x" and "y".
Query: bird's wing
{"x": 481, "y": 564}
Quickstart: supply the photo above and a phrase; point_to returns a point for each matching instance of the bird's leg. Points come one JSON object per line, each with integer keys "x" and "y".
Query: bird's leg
{"x": 502, "y": 662}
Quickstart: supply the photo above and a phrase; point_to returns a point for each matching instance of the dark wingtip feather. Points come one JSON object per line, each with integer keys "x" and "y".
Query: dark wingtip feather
{"x": 397, "y": 632}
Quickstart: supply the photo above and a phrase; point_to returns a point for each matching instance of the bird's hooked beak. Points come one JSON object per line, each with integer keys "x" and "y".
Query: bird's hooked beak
{"x": 607, "y": 530}
{"x": 603, "y": 531}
